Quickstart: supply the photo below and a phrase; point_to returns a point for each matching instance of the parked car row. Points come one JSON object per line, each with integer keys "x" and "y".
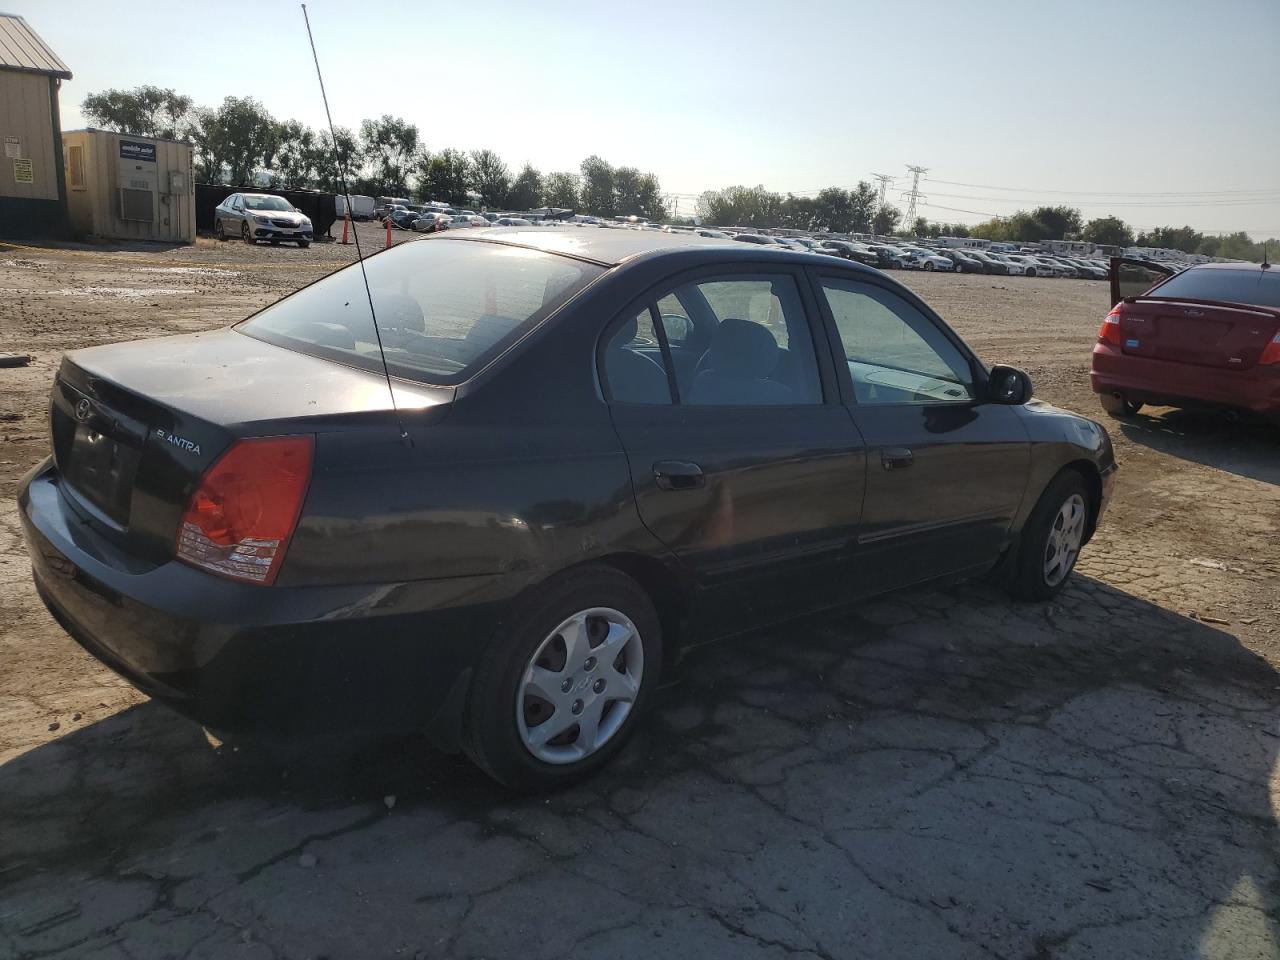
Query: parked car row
{"x": 928, "y": 256}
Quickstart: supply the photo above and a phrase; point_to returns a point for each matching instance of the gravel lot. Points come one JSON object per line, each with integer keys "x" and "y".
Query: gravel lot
{"x": 939, "y": 774}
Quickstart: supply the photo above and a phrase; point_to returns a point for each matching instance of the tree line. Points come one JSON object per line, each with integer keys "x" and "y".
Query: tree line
{"x": 238, "y": 140}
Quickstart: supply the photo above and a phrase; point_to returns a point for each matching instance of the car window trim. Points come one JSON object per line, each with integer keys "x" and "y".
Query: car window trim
{"x": 828, "y": 372}
{"x": 977, "y": 369}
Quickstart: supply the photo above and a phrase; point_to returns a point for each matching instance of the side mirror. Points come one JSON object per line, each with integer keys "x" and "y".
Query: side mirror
{"x": 1009, "y": 385}
{"x": 297, "y": 209}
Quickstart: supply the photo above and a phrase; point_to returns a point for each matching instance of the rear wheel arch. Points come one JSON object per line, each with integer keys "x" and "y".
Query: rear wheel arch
{"x": 670, "y": 598}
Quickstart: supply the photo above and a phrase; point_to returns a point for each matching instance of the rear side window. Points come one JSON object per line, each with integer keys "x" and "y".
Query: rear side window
{"x": 444, "y": 307}
{"x": 1260, "y": 287}
{"x": 633, "y": 364}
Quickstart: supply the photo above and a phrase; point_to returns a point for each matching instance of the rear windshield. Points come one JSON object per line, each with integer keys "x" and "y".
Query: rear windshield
{"x": 444, "y": 307}
{"x": 1260, "y": 287}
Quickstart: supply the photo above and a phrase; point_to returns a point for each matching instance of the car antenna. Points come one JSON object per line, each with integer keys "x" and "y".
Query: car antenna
{"x": 1265, "y": 265}
{"x": 346, "y": 197}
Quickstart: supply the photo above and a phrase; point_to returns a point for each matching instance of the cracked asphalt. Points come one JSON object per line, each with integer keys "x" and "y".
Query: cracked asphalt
{"x": 939, "y": 773}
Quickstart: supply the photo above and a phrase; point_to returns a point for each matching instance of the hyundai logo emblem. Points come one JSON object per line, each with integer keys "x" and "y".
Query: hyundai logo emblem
{"x": 84, "y": 410}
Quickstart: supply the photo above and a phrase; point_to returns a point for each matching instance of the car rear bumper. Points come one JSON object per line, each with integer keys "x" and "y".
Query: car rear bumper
{"x": 246, "y": 658}
{"x": 1168, "y": 383}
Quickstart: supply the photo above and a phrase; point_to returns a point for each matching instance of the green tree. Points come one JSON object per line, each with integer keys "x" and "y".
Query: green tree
{"x": 921, "y": 227}
{"x": 389, "y": 149}
{"x": 1185, "y": 239}
{"x": 237, "y": 137}
{"x": 561, "y": 190}
{"x": 596, "y": 193}
{"x": 649, "y": 200}
{"x": 1108, "y": 230}
{"x": 297, "y": 159}
{"x": 490, "y": 178}
{"x": 526, "y": 189}
{"x": 444, "y": 176}
{"x": 146, "y": 111}
{"x": 886, "y": 219}
{"x": 1057, "y": 223}
{"x": 626, "y": 192}
{"x": 326, "y": 159}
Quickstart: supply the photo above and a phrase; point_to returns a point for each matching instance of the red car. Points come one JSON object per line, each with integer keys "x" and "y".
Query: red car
{"x": 1205, "y": 337}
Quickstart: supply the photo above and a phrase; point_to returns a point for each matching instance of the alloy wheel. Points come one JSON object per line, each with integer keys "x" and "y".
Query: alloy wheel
{"x": 1063, "y": 545}
{"x": 579, "y": 686}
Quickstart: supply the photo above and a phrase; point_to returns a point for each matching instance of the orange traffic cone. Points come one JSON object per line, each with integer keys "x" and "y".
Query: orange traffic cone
{"x": 346, "y": 227}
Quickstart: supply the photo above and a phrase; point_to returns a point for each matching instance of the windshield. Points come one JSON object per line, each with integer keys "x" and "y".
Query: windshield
{"x": 1261, "y": 287}
{"x": 444, "y": 307}
{"x": 267, "y": 203}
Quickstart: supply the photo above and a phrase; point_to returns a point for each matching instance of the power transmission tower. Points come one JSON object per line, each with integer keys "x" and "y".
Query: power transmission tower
{"x": 885, "y": 182}
{"x": 914, "y": 196}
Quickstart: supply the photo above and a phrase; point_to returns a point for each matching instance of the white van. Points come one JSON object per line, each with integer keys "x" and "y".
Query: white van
{"x": 361, "y": 207}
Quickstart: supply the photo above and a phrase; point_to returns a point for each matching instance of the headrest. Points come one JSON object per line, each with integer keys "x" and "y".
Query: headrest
{"x": 399, "y": 311}
{"x": 743, "y": 350}
{"x": 627, "y": 332}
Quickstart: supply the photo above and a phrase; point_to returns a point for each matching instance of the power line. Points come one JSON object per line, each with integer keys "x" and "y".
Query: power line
{"x": 1106, "y": 193}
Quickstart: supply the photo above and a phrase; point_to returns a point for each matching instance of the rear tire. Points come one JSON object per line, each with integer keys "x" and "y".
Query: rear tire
{"x": 218, "y": 231}
{"x": 1052, "y": 537}
{"x": 1031, "y": 272}
{"x": 1119, "y": 407}
{"x": 504, "y": 716}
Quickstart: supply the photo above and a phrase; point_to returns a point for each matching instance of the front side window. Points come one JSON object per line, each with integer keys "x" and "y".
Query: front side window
{"x": 444, "y": 308}
{"x": 895, "y": 353}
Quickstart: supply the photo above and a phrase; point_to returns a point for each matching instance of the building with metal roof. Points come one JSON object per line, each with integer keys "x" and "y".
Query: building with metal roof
{"x": 33, "y": 190}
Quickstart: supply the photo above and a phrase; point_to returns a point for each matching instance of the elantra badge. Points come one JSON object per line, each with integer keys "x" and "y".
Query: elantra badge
{"x": 182, "y": 443}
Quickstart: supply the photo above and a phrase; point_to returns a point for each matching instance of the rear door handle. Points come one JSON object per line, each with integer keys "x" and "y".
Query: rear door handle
{"x": 896, "y": 458}
{"x": 678, "y": 475}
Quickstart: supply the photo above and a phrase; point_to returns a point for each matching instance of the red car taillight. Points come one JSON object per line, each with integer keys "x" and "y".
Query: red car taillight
{"x": 1271, "y": 354}
{"x": 1110, "y": 331}
{"x": 241, "y": 517}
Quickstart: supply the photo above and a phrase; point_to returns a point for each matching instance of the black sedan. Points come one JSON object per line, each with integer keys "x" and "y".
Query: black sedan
{"x": 990, "y": 264}
{"x": 965, "y": 263}
{"x": 575, "y": 452}
{"x": 848, "y": 250}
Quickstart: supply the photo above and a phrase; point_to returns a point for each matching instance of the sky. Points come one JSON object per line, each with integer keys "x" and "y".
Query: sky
{"x": 1159, "y": 113}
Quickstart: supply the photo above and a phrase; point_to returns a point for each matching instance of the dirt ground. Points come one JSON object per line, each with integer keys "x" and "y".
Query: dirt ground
{"x": 943, "y": 773}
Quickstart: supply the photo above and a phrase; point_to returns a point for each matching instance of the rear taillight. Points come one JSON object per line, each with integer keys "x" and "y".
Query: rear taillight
{"x": 1110, "y": 331}
{"x": 1272, "y": 352}
{"x": 241, "y": 517}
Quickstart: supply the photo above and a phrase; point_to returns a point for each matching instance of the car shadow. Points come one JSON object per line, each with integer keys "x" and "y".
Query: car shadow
{"x": 938, "y": 773}
{"x": 1245, "y": 447}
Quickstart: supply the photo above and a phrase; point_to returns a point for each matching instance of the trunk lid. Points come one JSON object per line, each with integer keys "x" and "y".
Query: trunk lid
{"x": 1204, "y": 333}
{"x": 136, "y": 425}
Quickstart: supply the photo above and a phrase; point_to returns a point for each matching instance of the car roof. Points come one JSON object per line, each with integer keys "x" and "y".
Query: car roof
{"x": 609, "y": 248}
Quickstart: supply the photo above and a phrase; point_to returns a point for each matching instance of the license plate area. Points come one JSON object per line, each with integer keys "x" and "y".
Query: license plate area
{"x": 101, "y": 469}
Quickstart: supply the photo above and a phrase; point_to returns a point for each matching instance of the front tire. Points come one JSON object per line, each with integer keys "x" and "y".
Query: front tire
{"x": 1031, "y": 272}
{"x": 245, "y": 235}
{"x": 303, "y": 244}
{"x": 1119, "y": 407}
{"x": 1051, "y": 540}
{"x": 565, "y": 681}
{"x": 928, "y": 266}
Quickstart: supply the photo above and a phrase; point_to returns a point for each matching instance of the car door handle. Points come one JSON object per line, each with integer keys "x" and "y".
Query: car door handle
{"x": 678, "y": 475}
{"x": 896, "y": 458}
